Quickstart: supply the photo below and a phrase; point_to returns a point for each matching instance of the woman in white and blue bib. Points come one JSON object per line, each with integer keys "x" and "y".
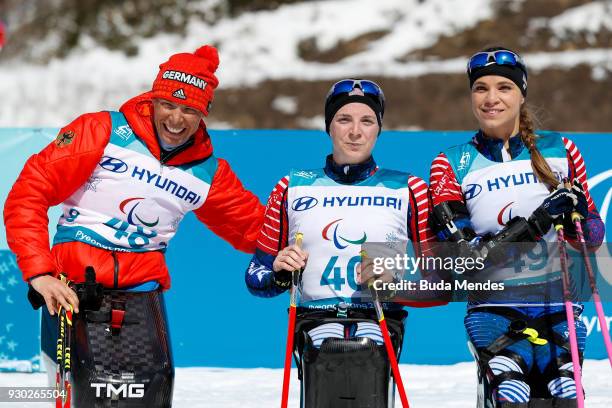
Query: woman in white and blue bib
{"x": 502, "y": 187}
{"x": 337, "y": 208}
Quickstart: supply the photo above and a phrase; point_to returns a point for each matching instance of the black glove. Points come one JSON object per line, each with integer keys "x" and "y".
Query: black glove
{"x": 559, "y": 202}
{"x": 581, "y": 207}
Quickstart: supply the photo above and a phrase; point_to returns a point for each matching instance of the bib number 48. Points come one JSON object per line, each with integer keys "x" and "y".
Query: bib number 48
{"x": 136, "y": 239}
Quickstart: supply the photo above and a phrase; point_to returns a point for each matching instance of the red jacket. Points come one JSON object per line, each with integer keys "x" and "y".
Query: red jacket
{"x": 58, "y": 171}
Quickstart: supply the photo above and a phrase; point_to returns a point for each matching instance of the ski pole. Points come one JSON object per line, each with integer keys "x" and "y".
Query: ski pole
{"x": 60, "y": 370}
{"x": 605, "y": 331}
{"x": 569, "y": 312}
{"x": 59, "y": 367}
{"x": 67, "y": 358}
{"x": 388, "y": 344}
{"x": 295, "y": 277}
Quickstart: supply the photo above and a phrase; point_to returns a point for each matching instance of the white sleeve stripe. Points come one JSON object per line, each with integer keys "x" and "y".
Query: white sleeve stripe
{"x": 271, "y": 227}
{"x": 415, "y": 182}
{"x": 267, "y": 236}
{"x": 274, "y": 209}
{"x": 441, "y": 158}
{"x": 272, "y": 218}
{"x": 284, "y": 182}
{"x": 420, "y": 193}
{"x": 420, "y": 203}
{"x": 573, "y": 151}
{"x": 578, "y": 162}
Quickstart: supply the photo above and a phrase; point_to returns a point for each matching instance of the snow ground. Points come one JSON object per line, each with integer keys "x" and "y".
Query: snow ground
{"x": 428, "y": 386}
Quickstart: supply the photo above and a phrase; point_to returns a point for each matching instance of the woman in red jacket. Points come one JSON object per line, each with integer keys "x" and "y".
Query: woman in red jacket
{"x": 125, "y": 180}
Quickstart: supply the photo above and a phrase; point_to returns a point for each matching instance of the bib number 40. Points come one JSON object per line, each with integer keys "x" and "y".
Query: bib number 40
{"x": 339, "y": 276}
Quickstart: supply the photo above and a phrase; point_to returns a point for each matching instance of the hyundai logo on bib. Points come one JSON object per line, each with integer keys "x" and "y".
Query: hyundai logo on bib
{"x": 471, "y": 191}
{"x": 304, "y": 203}
{"x": 113, "y": 164}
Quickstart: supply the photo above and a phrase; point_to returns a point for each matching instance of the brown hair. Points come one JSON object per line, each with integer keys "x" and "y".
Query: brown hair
{"x": 527, "y": 126}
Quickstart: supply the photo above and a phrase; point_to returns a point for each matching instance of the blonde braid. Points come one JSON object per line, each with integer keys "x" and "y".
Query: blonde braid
{"x": 539, "y": 165}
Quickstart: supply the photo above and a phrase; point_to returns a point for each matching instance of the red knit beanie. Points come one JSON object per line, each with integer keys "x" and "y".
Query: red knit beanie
{"x": 189, "y": 79}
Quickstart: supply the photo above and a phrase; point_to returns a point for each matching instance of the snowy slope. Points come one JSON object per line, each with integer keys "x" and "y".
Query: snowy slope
{"x": 264, "y": 45}
{"x": 427, "y": 386}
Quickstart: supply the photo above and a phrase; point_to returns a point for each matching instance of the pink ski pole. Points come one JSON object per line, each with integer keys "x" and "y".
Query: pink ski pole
{"x": 569, "y": 312}
{"x": 605, "y": 331}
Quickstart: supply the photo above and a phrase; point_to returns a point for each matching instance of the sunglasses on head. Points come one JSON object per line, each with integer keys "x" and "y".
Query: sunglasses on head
{"x": 368, "y": 88}
{"x": 500, "y": 57}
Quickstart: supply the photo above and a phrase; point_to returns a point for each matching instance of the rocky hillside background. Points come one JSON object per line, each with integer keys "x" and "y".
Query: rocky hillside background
{"x": 279, "y": 81}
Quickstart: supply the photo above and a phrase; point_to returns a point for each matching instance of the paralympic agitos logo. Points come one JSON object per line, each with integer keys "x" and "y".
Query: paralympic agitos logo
{"x": 129, "y": 206}
{"x": 336, "y": 238}
{"x": 504, "y": 216}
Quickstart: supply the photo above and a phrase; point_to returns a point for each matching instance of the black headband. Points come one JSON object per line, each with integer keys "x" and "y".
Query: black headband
{"x": 513, "y": 73}
{"x": 338, "y": 102}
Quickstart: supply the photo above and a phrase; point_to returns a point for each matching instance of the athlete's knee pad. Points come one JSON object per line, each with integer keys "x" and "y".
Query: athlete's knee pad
{"x": 501, "y": 379}
{"x": 121, "y": 353}
{"x": 345, "y": 373}
{"x": 558, "y": 378}
{"x": 508, "y": 379}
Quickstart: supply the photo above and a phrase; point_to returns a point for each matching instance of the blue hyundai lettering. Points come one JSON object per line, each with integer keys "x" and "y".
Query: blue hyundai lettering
{"x": 166, "y": 184}
{"x": 365, "y": 201}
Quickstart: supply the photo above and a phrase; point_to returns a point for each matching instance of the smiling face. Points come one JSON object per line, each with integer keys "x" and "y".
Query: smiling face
{"x": 353, "y": 132}
{"x": 175, "y": 123}
{"x": 496, "y": 104}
